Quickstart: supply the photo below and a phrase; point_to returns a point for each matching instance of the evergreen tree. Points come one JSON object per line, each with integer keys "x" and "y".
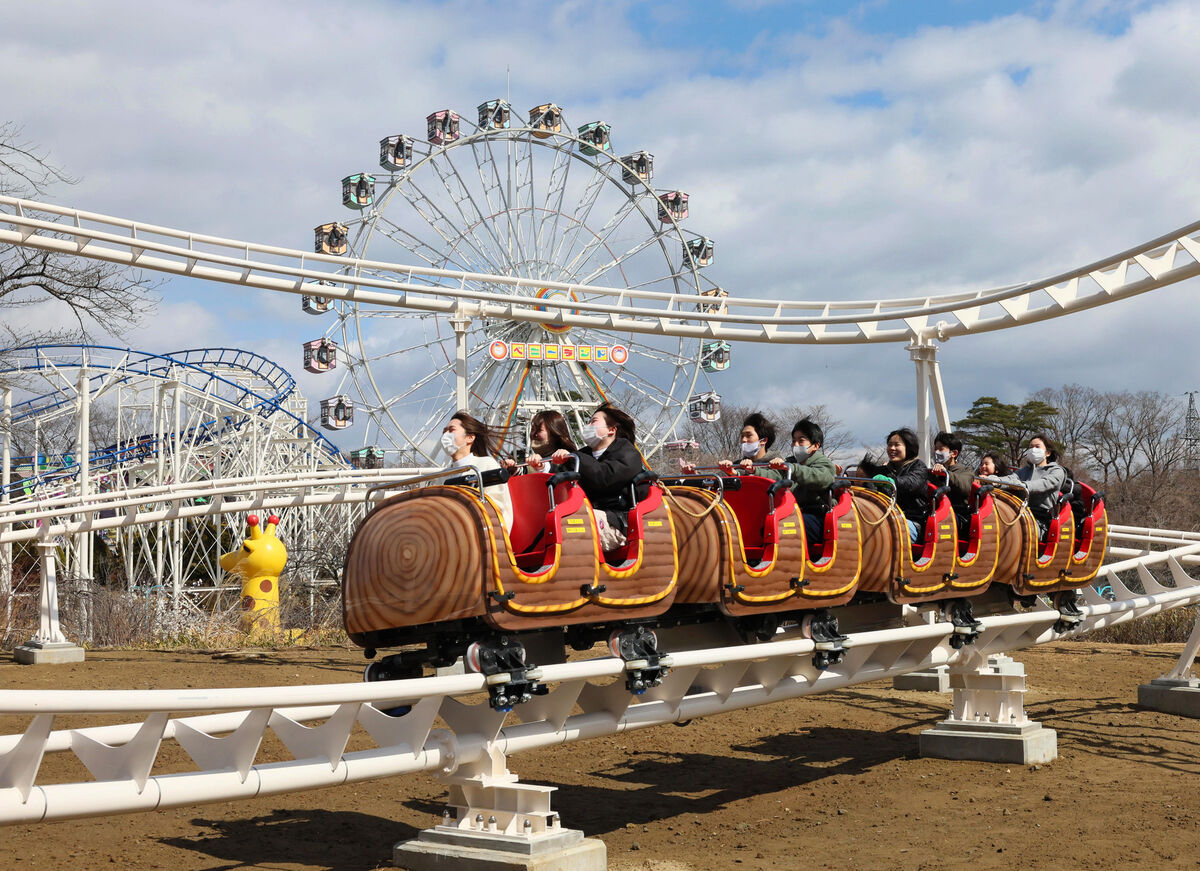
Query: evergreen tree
{"x": 992, "y": 425}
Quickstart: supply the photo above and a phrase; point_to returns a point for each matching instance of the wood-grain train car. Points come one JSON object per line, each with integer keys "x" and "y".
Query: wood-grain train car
{"x": 437, "y": 572}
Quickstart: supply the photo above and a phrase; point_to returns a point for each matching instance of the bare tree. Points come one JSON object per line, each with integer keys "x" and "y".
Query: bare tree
{"x": 98, "y": 295}
{"x": 1079, "y": 410}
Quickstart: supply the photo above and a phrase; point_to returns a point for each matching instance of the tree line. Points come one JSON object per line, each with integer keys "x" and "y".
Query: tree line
{"x": 1133, "y": 446}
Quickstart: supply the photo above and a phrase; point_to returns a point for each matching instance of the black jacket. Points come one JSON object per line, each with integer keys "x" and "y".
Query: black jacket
{"x": 606, "y": 480}
{"x": 911, "y": 476}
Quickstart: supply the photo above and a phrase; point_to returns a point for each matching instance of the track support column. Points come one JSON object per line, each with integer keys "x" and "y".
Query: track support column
{"x": 923, "y": 353}
{"x": 1178, "y": 691}
{"x": 49, "y": 646}
{"x": 492, "y": 822}
{"x": 460, "y": 322}
{"x": 988, "y": 721}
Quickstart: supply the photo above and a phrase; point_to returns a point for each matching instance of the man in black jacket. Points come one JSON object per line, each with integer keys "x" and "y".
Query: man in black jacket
{"x": 607, "y": 466}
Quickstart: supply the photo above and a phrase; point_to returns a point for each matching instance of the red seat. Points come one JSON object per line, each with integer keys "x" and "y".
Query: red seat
{"x": 1092, "y": 505}
{"x": 759, "y": 526}
{"x": 536, "y": 527}
{"x": 942, "y": 513}
{"x": 843, "y": 505}
{"x": 633, "y": 530}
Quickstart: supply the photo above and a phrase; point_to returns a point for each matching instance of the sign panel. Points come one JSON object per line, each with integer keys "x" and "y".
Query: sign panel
{"x": 501, "y": 350}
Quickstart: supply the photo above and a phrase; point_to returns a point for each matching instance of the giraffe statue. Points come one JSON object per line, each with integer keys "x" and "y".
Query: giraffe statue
{"x": 259, "y": 562}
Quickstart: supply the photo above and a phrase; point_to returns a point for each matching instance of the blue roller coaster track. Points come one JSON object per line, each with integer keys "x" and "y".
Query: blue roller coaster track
{"x": 114, "y": 365}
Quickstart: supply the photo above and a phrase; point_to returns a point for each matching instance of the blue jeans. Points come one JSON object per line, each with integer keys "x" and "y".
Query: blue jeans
{"x": 914, "y": 531}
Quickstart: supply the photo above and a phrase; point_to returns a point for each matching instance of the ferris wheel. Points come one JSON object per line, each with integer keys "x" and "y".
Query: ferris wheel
{"x": 536, "y": 202}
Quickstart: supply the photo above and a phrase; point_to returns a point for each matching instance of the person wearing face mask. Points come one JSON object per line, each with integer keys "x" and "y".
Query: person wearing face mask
{"x": 911, "y": 475}
{"x": 1042, "y": 477}
{"x": 757, "y": 436}
{"x": 607, "y": 466}
{"x": 468, "y": 442}
{"x": 947, "y": 470}
{"x": 812, "y": 474}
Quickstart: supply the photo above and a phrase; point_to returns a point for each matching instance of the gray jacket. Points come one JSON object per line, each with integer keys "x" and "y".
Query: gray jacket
{"x": 1041, "y": 481}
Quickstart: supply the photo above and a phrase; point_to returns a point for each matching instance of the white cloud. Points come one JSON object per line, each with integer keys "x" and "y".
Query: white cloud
{"x": 852, "y": 166}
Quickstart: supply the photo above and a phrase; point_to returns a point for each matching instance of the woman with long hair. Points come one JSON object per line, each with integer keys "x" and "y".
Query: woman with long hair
{"x": 548, "y": 434}
{"x": 607, "y": 467}
{"x": 470, "y": 443}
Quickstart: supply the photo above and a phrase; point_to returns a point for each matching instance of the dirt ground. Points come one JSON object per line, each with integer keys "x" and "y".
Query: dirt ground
{"x": 827, "y": 781}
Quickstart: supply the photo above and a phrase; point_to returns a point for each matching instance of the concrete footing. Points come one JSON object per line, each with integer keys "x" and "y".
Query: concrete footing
{"x": 936, "y": 680}
{"x": 451, "y": 849}
{"x": 991, "y": 742}
{"x": 36, "y": 652}
{"x": 1171, "y": 696}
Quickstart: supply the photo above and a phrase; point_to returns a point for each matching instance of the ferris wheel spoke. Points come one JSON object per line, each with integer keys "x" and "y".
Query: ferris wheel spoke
{"x": 523, "y": 196}
{"x": 600, "y": 238}
{"x": 556, "y": 187}
{"x": 631, "y": 379}
{"x": 622, "y": 258}
{"x": 469, "y": 211}
{"x": 661, "y": 355}
{"x": 417, "y": 247}
{"x": 505, "y": 204}
{"x": 441, "y": 224}
{"x": 583, "y": 209}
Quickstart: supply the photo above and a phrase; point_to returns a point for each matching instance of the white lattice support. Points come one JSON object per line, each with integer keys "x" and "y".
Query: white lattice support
{"x": 130, "y": 761}
{"x": 987, "y": 721}
{"x": 492, "y": 820}
{"x": 460, "y": 322}
{"x": 49, "y": 646}
{"x": 1183, "y": 668}
{"x": 19, "y": 764}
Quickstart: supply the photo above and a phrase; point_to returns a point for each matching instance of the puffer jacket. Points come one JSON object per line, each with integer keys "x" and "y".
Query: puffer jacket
{"x": 911, "y": 477}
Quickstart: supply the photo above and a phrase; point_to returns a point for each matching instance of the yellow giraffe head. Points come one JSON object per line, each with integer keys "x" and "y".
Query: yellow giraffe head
{"x": 259, "y": 562}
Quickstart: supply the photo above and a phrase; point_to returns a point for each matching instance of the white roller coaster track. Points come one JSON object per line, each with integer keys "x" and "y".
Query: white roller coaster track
{"x": 1160, "y": 262}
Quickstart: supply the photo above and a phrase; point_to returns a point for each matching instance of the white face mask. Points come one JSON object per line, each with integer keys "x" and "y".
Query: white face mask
{"x": 593, "y": 436}
{"x": 449, "y": 445}
{"x": 750, "y": 449}
{"x": 1036, "y": 455}
{"x": 942, "y": 457}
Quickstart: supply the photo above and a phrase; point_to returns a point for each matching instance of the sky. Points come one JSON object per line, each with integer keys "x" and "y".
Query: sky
{"x": 833, "y": 150}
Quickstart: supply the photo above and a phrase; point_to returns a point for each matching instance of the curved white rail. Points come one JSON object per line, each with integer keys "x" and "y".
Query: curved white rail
{"x": 1162, "y": 261}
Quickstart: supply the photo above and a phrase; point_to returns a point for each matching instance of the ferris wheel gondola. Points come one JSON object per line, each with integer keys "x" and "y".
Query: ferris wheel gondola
{"x": 536, "y": 202}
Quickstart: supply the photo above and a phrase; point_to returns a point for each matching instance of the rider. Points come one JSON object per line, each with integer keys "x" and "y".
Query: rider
{"x": 607, "y": 467}
{"x": 1042, "y": 477}
{"x": 946, "y": 469}
{"x": 548, "y": 433}
{"x": 910, "y": 475}
{"x": 757, "y": 436}
{"x": 812, "y": 473}
{"x": 469, "y": 443}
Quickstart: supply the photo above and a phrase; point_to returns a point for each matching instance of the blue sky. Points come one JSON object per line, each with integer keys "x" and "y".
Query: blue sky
{"x": 833, "y": 150}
